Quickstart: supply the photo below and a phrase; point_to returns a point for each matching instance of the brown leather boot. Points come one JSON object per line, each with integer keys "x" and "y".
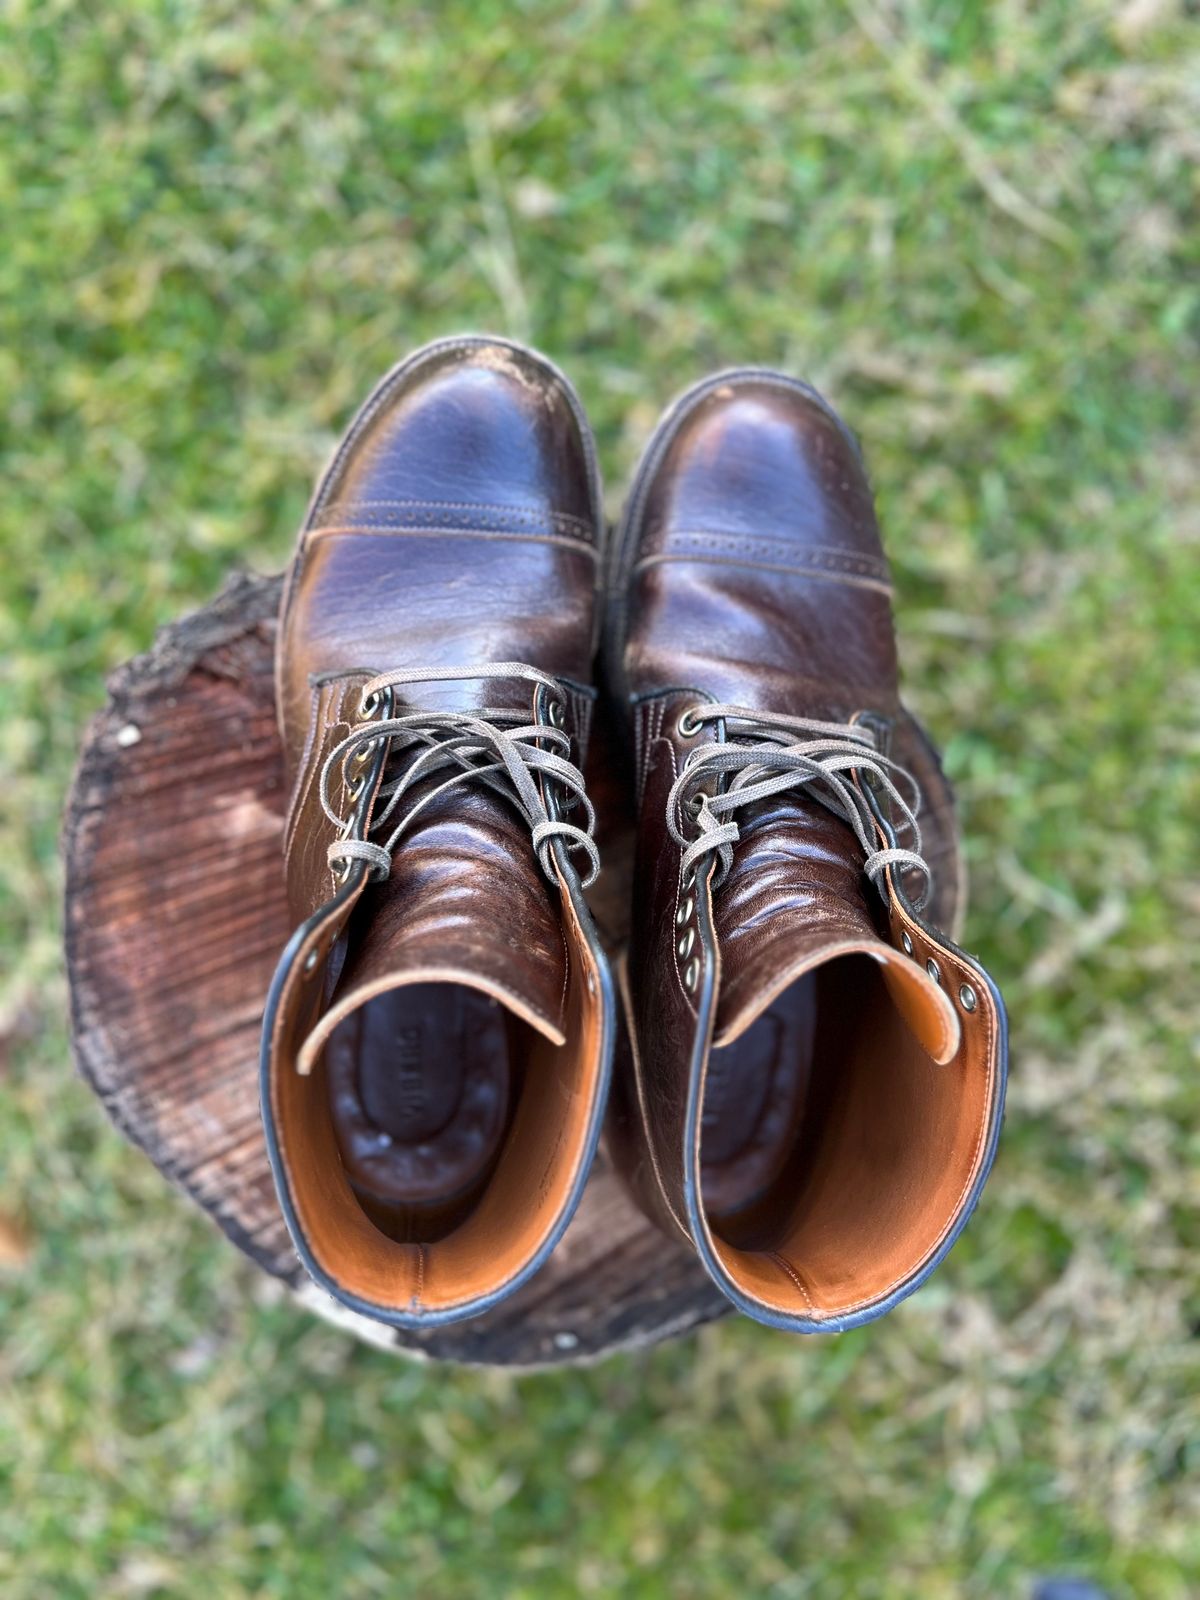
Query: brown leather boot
{"x": 438, "y": 1035}
{"x": 818, "y": 1070}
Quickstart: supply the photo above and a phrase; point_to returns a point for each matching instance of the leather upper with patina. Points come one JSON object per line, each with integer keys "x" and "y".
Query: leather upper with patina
{"x": 456, "y": 527}
{"x": 749, "y": 572}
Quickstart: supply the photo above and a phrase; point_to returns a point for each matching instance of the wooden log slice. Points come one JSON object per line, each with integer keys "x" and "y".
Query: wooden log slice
{"x": 175, "y": 916}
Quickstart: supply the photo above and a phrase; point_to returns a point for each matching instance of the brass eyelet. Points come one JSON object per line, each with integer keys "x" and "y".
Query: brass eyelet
{"x": 687, "y": 725}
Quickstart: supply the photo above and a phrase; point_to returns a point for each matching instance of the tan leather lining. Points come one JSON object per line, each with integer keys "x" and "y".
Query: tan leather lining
{"x": 891, "y": 1149}
{"x": 533, "y": 1180}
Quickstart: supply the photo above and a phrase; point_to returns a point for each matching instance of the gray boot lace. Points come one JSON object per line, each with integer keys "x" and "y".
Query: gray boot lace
{"x": 493, "y": 746}
{"x": 767, "y": 754}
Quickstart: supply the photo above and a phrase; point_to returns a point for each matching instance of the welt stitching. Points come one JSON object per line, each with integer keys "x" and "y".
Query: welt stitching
{"x": 646, "y": 725}
{"x": 647, "y": 722}
{"x": 639, "y": 746}
{"x": 782, "y": 1262}
{"x": 320, "y": 741}
{"x": 562, "y": 999}
{"x": 420, "y": 1287}
{"x": 817, "y": 556}
{"x": 852, "y": 580}
{"x": 524, "y": 530}
{"x": 344, "y": 517}
{"x": 520, "y": 536}
{"x": 658, "y": 716}
{"x": 300, "y": 791}
{"x": 516, "y": 513}
{"x": 646, "y": 735}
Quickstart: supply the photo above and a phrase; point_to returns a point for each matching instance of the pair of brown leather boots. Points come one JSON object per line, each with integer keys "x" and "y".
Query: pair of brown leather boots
{"x": 814, "y": 1073}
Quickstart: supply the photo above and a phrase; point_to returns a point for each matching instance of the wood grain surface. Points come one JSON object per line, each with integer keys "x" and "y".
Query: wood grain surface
{"x": 175, "y": 915}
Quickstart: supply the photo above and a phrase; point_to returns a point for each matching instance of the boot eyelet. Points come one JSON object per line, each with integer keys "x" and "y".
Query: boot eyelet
{"x": 688, "y": 881}
{"x": 310, "y": 961}
{"x": 684, "y": 913}
{"x": 557, "y": 713}
{"x": 691, "y": 975}
{"x": 354, "y": 790}
{"x": 685, "y": 944}
{"x": 688, "y": 726}
{"x": 967, "y": 997}
{"x": 907, "y": 943}
{"x": 363, "y": 754}
{"x": 368, "y": 705}
{"x": 934, "y": 971}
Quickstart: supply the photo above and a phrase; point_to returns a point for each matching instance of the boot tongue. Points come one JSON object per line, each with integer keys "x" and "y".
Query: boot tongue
{"x": 466, "y": 902}
{"x": 796, "y": 895}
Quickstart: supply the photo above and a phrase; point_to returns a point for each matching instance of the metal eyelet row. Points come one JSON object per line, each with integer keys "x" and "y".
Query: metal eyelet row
{"x": 354, "y": 789}
{"x": 342, "y": 871}
{"x": 967, "y": 997}
{"x": 687, "y": 932}
{"x": 368, "y": 707}
{"x": 687, "y": 726}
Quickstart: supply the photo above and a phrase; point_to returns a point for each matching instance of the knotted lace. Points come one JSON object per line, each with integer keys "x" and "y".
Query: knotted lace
{"x": 493, "y": 746}
{"x": 767, "y": 754}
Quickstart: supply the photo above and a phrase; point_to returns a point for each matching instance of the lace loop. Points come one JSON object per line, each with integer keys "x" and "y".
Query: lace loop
{"x": 494, "y": 746}
{"x": 769, "y": 753}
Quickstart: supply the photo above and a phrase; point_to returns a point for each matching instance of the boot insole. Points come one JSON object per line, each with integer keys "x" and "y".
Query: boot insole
{"x": 420, "y": 1084}
{"x": 754, "y": 1102}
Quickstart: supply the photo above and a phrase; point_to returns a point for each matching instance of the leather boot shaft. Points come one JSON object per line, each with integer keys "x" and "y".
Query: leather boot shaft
{"x": 816, "y": 1070}
{"x": 438, "y": 1036}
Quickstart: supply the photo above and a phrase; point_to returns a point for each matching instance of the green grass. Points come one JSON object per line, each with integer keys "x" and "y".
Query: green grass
{"x": 977, "y": 227}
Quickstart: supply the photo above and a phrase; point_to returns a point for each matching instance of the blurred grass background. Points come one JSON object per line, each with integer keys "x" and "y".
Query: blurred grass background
{"x": 976, "y": 227}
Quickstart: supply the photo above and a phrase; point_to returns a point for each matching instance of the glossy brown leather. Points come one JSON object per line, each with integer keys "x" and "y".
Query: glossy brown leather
{"x": 437, "y": 1045}
{"x": 816, "y": 1075}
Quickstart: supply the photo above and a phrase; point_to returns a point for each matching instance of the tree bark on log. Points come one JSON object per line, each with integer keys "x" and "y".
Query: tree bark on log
{"x": 175, "y": 916}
